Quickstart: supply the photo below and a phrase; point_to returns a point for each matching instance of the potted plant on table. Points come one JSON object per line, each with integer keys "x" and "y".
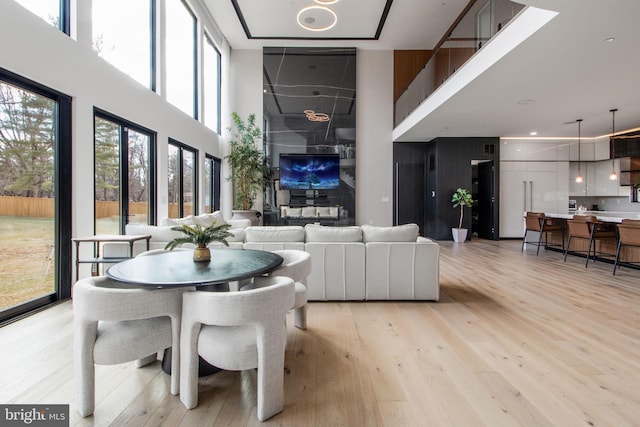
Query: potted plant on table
{"x": 461, "y": 198}
{"x": 201, "y": 237}
{"x": 247, "y": 165}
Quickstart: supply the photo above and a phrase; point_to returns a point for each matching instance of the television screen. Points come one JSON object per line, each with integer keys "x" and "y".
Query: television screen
{"x": 309, "y": 171}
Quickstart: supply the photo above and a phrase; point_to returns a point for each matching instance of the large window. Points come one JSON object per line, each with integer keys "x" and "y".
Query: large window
{"x": 55, "y": 12}
{"x": 124, "y": 174}
{"x": 211, "y": 85}
{"x": 181, "y": 57}
{"x": 35, "y": 221}
{"x": 211, "y": 184}
{"x": 123, "y": 35}
{"x": 182, "y": 177}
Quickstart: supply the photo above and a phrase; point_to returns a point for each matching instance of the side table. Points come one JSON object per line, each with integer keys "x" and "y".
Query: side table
{"x": 99, "y": 238}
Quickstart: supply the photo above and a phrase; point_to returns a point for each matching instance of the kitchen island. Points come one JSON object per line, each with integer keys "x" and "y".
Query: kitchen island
{"x": 605, "y": 249}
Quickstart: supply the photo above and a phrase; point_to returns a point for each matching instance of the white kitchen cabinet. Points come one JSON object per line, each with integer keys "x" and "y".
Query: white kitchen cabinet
{"x": 531, "y": 186}
{"x": 596, "y": 179}
{"x": 522, "y": 150}
{"x": 577, "y": 189}
{"x": 601, "y": 150}
{"x": 603, "y": 185}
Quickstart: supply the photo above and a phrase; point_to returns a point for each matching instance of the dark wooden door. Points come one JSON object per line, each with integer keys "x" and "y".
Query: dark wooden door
{"x": 486, "y": 201}
{"x": 410, "y": 194}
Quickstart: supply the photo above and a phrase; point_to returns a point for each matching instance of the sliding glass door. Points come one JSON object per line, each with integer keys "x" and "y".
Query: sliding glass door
{"x": 124, "y": 174}
{"x": 211, "y": 184}
{"x": 34, "y": 214}
{"x": 182, "y": 176}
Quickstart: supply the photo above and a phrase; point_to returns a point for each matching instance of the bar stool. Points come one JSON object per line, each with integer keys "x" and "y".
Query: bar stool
{"x": 628, "y": 235}
{"x": 588, "y": 227}
{"x": 540, "y": 223}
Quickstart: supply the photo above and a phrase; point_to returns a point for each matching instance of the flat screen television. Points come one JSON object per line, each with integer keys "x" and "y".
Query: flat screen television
{"x": 309, "y": 171}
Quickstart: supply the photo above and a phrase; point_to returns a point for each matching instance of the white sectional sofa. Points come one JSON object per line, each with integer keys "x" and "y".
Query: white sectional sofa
{"x": 352, "y": 263}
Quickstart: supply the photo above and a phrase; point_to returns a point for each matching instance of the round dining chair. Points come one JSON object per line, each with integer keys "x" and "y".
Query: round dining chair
{"x": 115, "y": 323}
{"x": 296, "y": 264}
{"x": 238, "y": 331}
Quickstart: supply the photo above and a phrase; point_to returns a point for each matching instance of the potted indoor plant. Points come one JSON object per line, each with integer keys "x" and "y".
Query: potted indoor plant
{"x": 247, "y": 165}
{"x": 461, "y": 198}
{"x": 201, "y": 237}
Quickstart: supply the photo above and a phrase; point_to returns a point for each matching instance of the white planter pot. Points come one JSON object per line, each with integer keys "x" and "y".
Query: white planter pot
{"x": 459, "y": 234}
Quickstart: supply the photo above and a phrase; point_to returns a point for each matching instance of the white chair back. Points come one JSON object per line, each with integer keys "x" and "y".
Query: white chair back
{"x": 296, "y": 264}
{"x": 238, "y": 331}
{"x": 116, "y": 323}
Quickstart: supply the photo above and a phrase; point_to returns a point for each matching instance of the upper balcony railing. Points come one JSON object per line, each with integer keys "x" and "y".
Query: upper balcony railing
{"x": 479, "y": 22}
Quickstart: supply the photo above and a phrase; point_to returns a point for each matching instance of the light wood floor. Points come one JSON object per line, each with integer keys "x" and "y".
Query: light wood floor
{"x": 516, "y": 340}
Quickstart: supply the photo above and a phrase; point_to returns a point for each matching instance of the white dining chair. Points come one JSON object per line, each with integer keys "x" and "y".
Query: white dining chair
{"x": 238, "y": 331}
{"x": 296, "y": 265}
{"x": 115, "y": 323}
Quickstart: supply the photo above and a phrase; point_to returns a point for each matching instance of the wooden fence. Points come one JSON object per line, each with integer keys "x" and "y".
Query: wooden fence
{"x": 44, "y": 208}
{"x": 26, "y": 206}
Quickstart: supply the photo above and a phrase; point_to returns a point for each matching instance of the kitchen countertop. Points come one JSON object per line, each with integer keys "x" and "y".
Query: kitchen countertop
{"x": 604, "y": 216}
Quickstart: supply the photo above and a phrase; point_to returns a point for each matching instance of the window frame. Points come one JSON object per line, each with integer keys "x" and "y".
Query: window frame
{"x": 196, "y": 85}
{"x": 208, "y": 40}
{"x": 63, "y": 201}
{"x": 180, "y": 175}
{"x": 125, "y": 125}
{"x": 152, "y": 83}
{"x": 214, "y": 181}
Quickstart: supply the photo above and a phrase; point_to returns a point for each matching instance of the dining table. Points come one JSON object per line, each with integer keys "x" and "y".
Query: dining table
{"x": 178, "y": 269}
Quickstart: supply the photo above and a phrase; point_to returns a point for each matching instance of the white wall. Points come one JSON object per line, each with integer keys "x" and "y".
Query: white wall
{"x": 41, "y": 53}
{"x": 33, "y": 49}
{"x": 245, "y": 96}
{"x": 374, "y": 123}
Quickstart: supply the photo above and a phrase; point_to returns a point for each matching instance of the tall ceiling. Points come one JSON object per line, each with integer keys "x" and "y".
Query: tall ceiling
{"x": 565, "y": 71}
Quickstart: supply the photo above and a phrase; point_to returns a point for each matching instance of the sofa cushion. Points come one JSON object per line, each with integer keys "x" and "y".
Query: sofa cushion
{"x": 320, "y": 233}
{"x": 308, "y": 212}
{"x": 323, "y": 211}
{"x": 293, "y": 233}
{"x": 158, "y": 234}
{"x": 238, "y": 235}
{"x": 398, "y": 233}
{"x": 187, "y": 220}
{"x": 207, "y": 219}
{"x": 292, "y": 212}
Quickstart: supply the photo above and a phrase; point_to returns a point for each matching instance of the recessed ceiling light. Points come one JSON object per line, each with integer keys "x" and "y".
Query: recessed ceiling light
{"x": 525, "y": 101}
{"x": 534, "y": 133}
{"x": 610, "y": 39}
{"x": 317, "y": 18}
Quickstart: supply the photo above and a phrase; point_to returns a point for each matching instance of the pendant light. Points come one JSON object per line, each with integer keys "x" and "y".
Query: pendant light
{"x": 613, "y": 176}
{"x": 579, "y": 177}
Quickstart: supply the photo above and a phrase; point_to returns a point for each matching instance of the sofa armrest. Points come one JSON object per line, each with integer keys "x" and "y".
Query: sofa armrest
{"x": 402, "y": 270}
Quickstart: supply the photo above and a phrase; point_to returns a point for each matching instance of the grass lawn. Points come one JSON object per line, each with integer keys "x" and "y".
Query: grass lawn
{"x": 25, "y": 247}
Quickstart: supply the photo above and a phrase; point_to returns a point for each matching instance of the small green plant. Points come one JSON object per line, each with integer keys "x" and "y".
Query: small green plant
{"x": 200, "y": 236}
{"x": 461, "y": 198}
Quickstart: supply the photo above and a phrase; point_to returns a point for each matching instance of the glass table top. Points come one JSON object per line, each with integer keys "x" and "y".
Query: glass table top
{"x": 179, "y": 269}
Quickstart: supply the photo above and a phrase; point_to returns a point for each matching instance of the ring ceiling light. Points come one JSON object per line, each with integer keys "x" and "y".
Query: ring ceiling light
{"x": 317, "y": 18}
{"x": 312, "y": 116}
{"x": 325, "y": 2}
